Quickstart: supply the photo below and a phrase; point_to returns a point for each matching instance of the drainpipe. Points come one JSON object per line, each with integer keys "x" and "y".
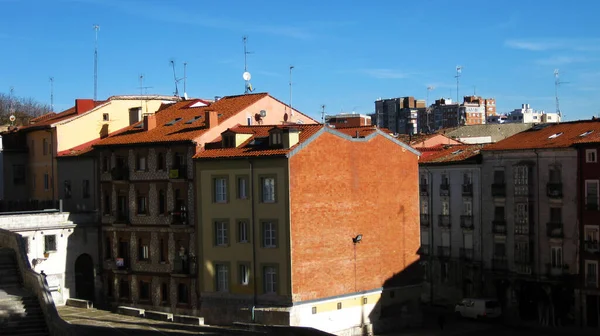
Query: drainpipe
{"x": 431, "y": 230}
{"x": 580, "y": 225}
{"x": 480, "y": 206}
{"x": 538, "y": 242}
{"x": 252, "y": 221}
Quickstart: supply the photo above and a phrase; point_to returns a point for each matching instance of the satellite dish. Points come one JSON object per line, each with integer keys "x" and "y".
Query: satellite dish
{"x": 263, "y": 113}
{"x": 12, "y": 118}
{"x": 246, "y": 76}
{"x": 299, "y": 121}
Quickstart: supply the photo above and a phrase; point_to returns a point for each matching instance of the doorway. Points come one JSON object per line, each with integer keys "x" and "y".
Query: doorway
{"x": 592, "y": 310}
{"x": 84, "y": 277}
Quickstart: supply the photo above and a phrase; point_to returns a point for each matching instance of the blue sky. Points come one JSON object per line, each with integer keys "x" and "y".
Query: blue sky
{"x": 345, "y": 54}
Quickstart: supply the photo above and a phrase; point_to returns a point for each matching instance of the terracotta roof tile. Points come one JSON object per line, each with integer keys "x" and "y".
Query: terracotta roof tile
{"x": 258, "y": 143}
{"x": 449, "y": 153}
{"x": 551, "y": 136}
{"x": 362, "y": 130}
{"x": 180, "y": 117}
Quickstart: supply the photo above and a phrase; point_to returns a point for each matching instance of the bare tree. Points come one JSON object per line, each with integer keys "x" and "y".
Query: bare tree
{"x": 23, "y": 108}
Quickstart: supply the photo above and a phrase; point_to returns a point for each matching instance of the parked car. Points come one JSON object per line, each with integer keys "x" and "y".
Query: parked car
{"x": 478, "y": 308}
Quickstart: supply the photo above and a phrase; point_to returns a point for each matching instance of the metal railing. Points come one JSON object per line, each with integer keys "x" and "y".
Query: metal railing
{"x": 466, "y": 254}
{"x": 444, "y": 251}
{"x": 467, "y": 189}
{"x": 499, "y": 226}
{"x": 554, "y": 230}
{"x": 466, "y": 222}
{"x": 424, "y": 219}
{"x": 554, "y": 190}
{"x": 444, "y": 221}
{"x": 444, "y": 189}
{"x": 499, "y": 189}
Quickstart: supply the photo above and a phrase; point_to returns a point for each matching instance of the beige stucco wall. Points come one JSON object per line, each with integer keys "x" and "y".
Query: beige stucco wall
{"x": 236, "y": 209}
{"x": 88, "y": 126}
{"x": 40, "y": 164}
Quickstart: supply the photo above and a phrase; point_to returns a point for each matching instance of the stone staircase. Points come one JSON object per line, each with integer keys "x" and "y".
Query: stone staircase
{"x": 20, "y": 311}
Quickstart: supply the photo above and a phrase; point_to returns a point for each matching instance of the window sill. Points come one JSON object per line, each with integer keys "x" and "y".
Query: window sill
{"x": 142, "y": 215}
{"x": 244, "y": 242}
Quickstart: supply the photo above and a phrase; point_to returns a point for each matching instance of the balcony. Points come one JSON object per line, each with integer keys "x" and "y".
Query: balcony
{"x": 591, "y": 281}
{"x": 444, "y": 221}
{"x": 522, "y": 229}
{"x": 423, "y": 250}
{"x": 499, "y": 226}
{"x": 122, "y": 263}
{"x": 179, "y": 217}
{"x": 554, "y": 190}
{"x": 444, "y": 251}
{"x": 499, "y": 190}
{"x": 523, "y": 266}
{"x": 120, "y": 173}
{"x": 591, "y": 203}
{"x": 591, "y": 245}
{"x": 556, "y": 271}
{"x": 444, "y": 189}
{"x": 554, "y": 230}
{"x": 184, "y": 264}
{"x": 499, "y": 263}
{"x": 424, "y": 189}
{"x": 466, "y": 254}
{"x": 179, "y": 172}
{"x": 467, "y": 189}
{"x": 122, "y": 217}
{"x": 425, "y": 220}
{"x": 466, "y": 222}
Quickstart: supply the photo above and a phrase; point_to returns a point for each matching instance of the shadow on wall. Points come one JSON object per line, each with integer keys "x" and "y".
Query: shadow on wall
{"x": 399, "y": 304}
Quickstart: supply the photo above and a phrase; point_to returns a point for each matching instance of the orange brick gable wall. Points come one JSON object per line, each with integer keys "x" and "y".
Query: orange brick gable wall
{"x": 339, "y": 189}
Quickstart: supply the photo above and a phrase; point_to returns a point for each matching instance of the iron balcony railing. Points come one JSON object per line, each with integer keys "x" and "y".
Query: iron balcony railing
{"x": 444, "y": 251}
{"x": 466, "y": 254}
{"x": 444, "y": 221}
{"x": 499, "y": 190}
{"x": 554, "y": 230}
{"x": 467, "y": 189}
{"x": 466, "y": 222}
{"x": 554, "y": 190}
{"x": 425, "y": 220}
{"x": 591, "y": 245}
{"x": 499, "y": 263}
{"x": 499, "y": 226}
{"x": 444, "y": 189}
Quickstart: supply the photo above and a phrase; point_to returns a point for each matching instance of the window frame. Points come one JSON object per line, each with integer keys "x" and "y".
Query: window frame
{"x": 592, "y": 262}
{"x": 243, "y": 273}
{"x": 141, "y": 163}
{"x": 222, "y": 283}
{"x": 67, "y": 189}
{"x": 46, "y": 181}
{"x": 221, "y": 226}
{"x": 556, "y": 256}
{"x": 85, "y": 188}
{"x": 216, "y": 194}
{"x": 274, "y": 241}
{"x": 275, "y": 277}
{"x": 162, "y": 202}
{"x": 186, "y": 297}
{"x": 246, "y": 231}
{"x": 48, "y": 245}
{"x": 263, "y": 198}
{"x": 141, "y": 210}
{"x": 105, "y": 116}
{"x": 597, "y": 183}
{"x": 589, "y": 152}
{"x": 149, "y": 290}
{"x": 239, "y": 194}
{"x": 143, "y": 249}
{"x": 160, "y": 162}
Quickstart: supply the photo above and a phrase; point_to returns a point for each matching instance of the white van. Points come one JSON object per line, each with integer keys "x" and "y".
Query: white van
{"x": 478, "y": 308}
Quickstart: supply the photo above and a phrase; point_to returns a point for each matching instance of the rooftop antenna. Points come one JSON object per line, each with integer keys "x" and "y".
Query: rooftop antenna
{"x": 427, "y": 107}
{"x": 185, "y": 80}
{"x": 557, "y": 83}
{"x": 291, "y": 109}
{"x": 142, "y": 89}
{"x": 96, "y": 29}
{"x": 51, "y": 94}
{"x": 246, "y": 75}
{"x": 11, "y": 106}
{"x": 474, "y": 90}
{"x": 323, "y": 114}
{"x": 458, "y": 73}
{"x": 175, "y": 78}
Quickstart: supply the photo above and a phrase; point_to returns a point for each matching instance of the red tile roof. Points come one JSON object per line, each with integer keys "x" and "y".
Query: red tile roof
{"x": 184, "y": 129}
{"x": 449, "y": 153}
{"x": 50, "y": 118}
{"x": 258, "y": 143}
{"x": 362, "y": 130}
{"x": 560, "y": 135}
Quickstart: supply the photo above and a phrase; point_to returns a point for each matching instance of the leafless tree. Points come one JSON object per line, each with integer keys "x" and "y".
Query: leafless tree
{"x": 24, "y": 108}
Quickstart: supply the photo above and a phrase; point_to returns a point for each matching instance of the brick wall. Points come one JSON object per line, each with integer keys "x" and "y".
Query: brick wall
{"x": 339, "y": 189}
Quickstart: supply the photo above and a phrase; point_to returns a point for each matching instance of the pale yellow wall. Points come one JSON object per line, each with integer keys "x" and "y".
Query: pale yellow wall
{"x": 242, "y": 209}
{"x": 88, "y": 126}
{"x": 39, "y": 164}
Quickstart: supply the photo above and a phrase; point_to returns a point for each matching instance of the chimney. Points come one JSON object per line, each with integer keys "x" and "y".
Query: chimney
{"x": 212, "y": 119}
{"x": 149, "y": 122}
{"x": 83, "y": 105}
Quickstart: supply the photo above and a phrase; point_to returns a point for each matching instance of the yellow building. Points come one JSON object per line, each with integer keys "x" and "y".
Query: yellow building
{"x": 30, "y": 160}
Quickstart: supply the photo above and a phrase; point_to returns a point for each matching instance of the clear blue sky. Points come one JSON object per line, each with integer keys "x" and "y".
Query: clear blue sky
{"x": 345, "y": 53}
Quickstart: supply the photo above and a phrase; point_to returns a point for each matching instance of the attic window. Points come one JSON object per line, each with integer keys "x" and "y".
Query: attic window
{"x": 586, "y": 133}
{"x": 193, "y": 119}
{"x": 276, "y": 138}
{"x": 555, "y": 135}
{"x": 257, "y": 141}
{"x": 229, "y": 141}
{"x": 172, "y": 122}
{"x": 457, "y": 152}
{"x": 140, "y": 125}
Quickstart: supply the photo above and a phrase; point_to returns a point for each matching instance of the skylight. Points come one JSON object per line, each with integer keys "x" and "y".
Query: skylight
{"x": 192, "y": 120}
{"x": 140, "y": 125}
{"x": 172, "y": 122}
{"x": 586, "y": 133}
{"x": 199, "y": 104}
{"x": 457, "y": 152}
{"x": 555, "y": 135}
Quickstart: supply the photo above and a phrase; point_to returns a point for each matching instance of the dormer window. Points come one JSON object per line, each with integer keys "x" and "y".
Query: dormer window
{"x": 229, "y": 141}
{"x": 276, "y": 138}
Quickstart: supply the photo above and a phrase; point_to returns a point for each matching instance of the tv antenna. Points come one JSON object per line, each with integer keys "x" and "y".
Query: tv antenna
{"x": 11, "y": 102}
{"x": 175, "y": 79}
{"x": 96, "y": 29}
{"x": 557, "y": 83}
{"x": 291, "y": 109}
{"x": 142, "y": 89}
{"x": 323, "y": 114}
{"x": 185, "y": 80}
{"x": 458, "y": 74}
{"x": 246, "y": 75}
{"x": 51, "y": 94}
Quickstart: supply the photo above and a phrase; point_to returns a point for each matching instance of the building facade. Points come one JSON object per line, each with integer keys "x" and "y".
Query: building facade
{"x": 149, "y": 245}
{"x": 450, "y": 217}
{"x": 295, "y": 231}
{"x": 525, "y": 115}
{"x": 399, "y": 115}
{"x": 348, "y": 120}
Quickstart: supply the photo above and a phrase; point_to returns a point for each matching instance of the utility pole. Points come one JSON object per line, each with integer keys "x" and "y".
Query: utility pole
{"x": 291, "y": 109}
{"x": 51, "y": 94}
{"x": 96, "y": 29}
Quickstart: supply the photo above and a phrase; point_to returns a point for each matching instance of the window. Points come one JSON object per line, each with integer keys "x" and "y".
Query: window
{"x": 160, "y": 162}
{"x": 499, "y": 213}
{"x": 220, "y": 190}
{"x": 424, "y": 206}
{"x": 221, "y": 236}
{"x": 521, "y": 175}
{"x": 142, "y": 204}
{"x": 162, "y": 250}
{"x": 276, "y": 138}
{"x": 554, "y": 175}
{"x": 243, "y": 231}
{"x": 46, "y": 181}
{"x": 555, "y": 215}
{"x": 45, "y": 146}
{"x": 229, "y": 141}
{"x": 591, "y": 235}
{"x": 141, "y": 163}
{"x": 591, "y": 156}
{"x": 67, "y": 189}
{"x": 498, "y": 176}
{"x": 467, "y": 208}
{"x": 270, "y": 276}
{"x": 522, "y": 213}
{"x": 105, "y": 163}
{"x": 107, "y": 249}
{"x": 339, "y": 305}
{"x": 242, "y": 187}
{"x": 105, "y": 117}
{"x": 85, "y": 186}
{"x": 124, "y": 289}
{"x": 268, "y": 189}
{"x": 144, "y": 250}
{"x": 467, "y": 179}
{"x": 445, "y": 180}
{"x": 556, "y": 256}
{"x": 269, "y": 234}
{"x": 591, "y": 194}
{"x": 244, "y": 274}
{"x": 50, "y": 243}
{"x": 106, "y": 204}
{"x": 424, "y": 180}
{"x": 522, "y": 252}
{"x": 144, "y": 290}
{"x": 182, "y": 293}
{"x": 499, "y": 250}
{"x": 591, "y": 273}
{"x": 18, "y": 174}
{"x": 314, "y": 310}
{"x": 445, "y": 207}
{"x": 222, "y": 272}
{"x": 162, "y": 204}
{"x": 164, "y": 293}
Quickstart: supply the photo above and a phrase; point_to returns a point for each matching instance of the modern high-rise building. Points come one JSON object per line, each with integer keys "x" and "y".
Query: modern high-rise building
{"x": 399, "y": 115}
